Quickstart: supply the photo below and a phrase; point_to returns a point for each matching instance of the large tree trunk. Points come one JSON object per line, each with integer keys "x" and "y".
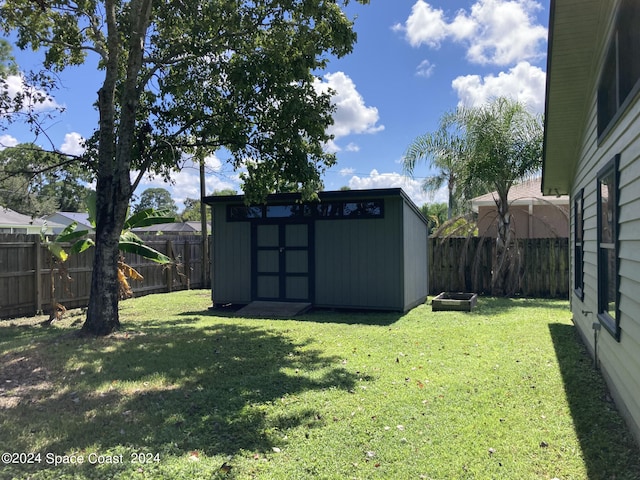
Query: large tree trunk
{"x": 102, "y": 314}
{"x": 113, "y": 187}
{"x": 504, "y": 250}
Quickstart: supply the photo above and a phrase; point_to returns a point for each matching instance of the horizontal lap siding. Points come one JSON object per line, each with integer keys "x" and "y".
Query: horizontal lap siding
{"x": 619, "y": 360}
{"x": 358, "y": 261}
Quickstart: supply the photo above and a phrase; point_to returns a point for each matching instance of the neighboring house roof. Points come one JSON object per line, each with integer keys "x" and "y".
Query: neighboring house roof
{"x": 12, "y": 219}
{"x": 176, "y": 227}
{"x": 67, "y": 218}
{"x": 574, "y": 38}
{"x": 523, "y": 193}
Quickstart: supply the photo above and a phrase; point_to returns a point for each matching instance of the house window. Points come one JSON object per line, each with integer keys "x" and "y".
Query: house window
{"x": 608, "y": 311}
{"x": 578, "y": 235}
{"x": 620, "y": 78}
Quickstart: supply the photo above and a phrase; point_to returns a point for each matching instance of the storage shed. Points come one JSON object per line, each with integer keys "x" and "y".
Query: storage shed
{"x": 364, "y": 249}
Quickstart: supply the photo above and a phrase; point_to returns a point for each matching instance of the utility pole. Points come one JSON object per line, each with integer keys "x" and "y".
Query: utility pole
{"x": 203, "y": 222}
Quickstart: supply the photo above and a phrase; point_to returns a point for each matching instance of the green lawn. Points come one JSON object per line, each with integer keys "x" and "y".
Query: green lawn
{"x": 505, "y": 392}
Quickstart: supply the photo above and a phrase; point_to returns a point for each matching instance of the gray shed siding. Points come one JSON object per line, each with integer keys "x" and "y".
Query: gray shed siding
{"x": 370, "y": 262}
{"x": 620, "y": 361}
{"x": 359, "y": 262}
{"x": 230, "y": 259}
{"x": 416, "y": 271}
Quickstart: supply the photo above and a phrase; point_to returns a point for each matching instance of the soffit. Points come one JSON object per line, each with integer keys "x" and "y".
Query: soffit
{"x": 574, "y": 30}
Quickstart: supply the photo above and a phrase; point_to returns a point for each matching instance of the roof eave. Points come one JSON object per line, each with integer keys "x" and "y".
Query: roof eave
{"x": 571, "y": 68}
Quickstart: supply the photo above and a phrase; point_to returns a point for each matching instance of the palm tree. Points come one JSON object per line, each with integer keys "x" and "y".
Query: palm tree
{"x": 445, "y": 150}
{"x": 505, "y": 139}
{"x": 436, "y": 215}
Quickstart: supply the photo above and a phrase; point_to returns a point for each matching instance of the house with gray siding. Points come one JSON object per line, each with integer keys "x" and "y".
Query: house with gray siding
{"x": 14, "y": 222}
{"x": 364, "y": 249}
{"x": 592, "y": 153}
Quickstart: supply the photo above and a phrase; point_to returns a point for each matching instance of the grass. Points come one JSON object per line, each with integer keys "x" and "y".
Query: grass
{"x": 504, "y": 392}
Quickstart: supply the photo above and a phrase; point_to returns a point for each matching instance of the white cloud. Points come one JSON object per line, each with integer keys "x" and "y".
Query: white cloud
{"x": 352, "y": 147}
{"x": 524, "y": 82}
{"x": 186, "y": 183}
{"x": 425, "y": 25}
{"x": 73, "y": 144}
{"x": 347, "y": 171}
{"x": 504, "y": 32}
{"x": 331, "y": 147}
{"x": 498, "y": 32}
{"x": 425, "y": 69}
{"x": 352, "y": 116}
{"x": 15, "y": 85}
{"x": 7, "y": 141}
{"x": 412, "y": 187}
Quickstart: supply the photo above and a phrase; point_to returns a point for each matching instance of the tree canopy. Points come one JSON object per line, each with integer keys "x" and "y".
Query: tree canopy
{"x": 156, "y": 198}
{"x": 448, "y": 150}
{"x": 186, "y": 77}
{"x": 32, "y": 183}
{"x": 436, "y": 215}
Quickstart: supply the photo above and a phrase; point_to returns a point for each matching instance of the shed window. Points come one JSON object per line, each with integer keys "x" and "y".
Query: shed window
{"x": 328, "y": 210}
{"x": 578, "y": 252}
{"x": 620, "y": 78}
{"x": 363, "y": 209}
{"x": 242, "y": 212}
{"x": 288, "y": 210}
{"x": 608, "y": 311}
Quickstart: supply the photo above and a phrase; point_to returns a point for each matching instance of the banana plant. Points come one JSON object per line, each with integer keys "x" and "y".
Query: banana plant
{"x": 129, "y": 242}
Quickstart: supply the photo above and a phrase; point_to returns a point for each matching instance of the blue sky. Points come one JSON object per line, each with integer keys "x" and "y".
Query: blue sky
{"x": 414, "y": 60}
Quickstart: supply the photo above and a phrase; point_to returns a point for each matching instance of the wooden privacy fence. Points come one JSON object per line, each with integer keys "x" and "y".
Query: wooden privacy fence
{"x": 26, "y": 272}
{"x": 465, "y": 265}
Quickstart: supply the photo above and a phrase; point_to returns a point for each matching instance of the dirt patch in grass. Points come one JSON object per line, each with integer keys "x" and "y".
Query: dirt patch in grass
{"x": 23, "y": 378}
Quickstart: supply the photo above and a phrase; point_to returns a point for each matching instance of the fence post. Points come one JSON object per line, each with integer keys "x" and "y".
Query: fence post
{"x": 187, "y": 262}
{"x": 169, "y": 270}
{"x": 37, "y": 272}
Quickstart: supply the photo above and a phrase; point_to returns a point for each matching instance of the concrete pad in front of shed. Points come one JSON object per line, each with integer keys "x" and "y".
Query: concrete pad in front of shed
{"x": 263, "y": 309}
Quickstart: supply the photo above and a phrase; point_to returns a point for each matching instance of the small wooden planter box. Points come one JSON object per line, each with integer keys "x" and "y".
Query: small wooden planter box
{"x": 461, "y": 302}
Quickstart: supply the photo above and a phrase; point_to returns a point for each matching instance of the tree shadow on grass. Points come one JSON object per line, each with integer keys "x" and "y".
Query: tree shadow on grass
{"x": 608, "y": 448}
{"x": 318, "y": 315}
{"x": 171, "y": 392}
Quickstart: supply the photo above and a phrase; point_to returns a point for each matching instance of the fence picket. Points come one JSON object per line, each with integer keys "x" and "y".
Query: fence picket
{"x": 25, "y": 272}
{"x": 465, "y": 264}
{"x": 455, "y": 264}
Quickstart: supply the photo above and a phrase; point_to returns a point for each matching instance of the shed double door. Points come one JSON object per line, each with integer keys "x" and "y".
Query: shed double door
{"x": 281, "y": 260}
